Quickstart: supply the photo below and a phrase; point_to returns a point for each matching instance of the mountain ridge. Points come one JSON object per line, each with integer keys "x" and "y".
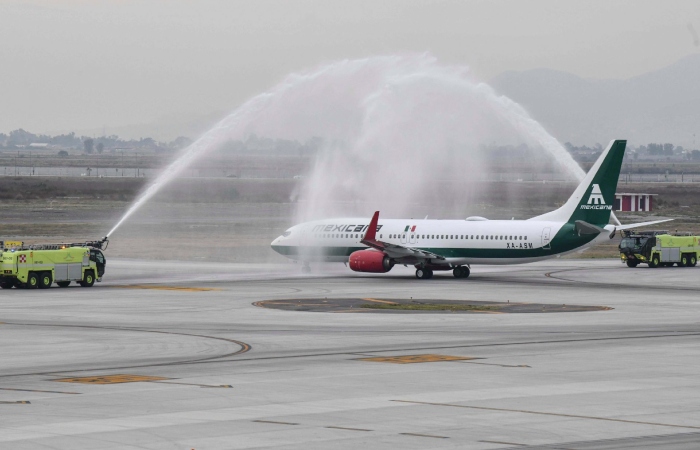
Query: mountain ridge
{"x": 659, "y": 106}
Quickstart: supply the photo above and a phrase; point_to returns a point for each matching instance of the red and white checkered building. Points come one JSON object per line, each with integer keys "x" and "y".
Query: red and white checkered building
{"x": 633, "y": 202}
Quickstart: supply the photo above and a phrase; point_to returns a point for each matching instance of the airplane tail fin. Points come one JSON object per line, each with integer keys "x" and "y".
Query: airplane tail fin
{"x": 592, "y": 201}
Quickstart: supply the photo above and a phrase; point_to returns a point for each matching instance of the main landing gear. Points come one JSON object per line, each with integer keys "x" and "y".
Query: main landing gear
{"x": 424, "y": 274}
{"x": 458, "y": 272}
{"x": 461, "y": 272}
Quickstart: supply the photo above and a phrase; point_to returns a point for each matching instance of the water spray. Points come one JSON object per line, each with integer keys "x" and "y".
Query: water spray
{"x": 383, "y": 119}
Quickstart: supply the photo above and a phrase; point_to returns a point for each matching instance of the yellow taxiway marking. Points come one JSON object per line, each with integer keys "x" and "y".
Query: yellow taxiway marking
{"x": 110, "y": 379}
{"x": 166, "y": 288}
{"x": 411, "y": 359}
{"x": 380, "y": 301}
{"x": 37, "y": 390}
{"x": 21, "y": 402}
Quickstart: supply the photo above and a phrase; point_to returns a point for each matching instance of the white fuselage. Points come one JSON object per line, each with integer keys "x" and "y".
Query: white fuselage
{"x": 460, "y": 241}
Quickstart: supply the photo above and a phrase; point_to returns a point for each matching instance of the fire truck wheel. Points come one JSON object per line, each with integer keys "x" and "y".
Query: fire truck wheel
{"x": 655, "y": 261}
{"x": 63, "y": 283}
{"x": 631, "y": 263}
{"x": 684, "y": 261}
{"x": 693, "y": 261}
{"x": 89, "y": 279}
{"x": 45, "y": 280}
{"x": 6, "y": 284}
{"x": 32, "y": 281}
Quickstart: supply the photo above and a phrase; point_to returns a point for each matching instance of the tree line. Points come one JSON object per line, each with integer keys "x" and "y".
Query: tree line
{"x": 21, "y": 138}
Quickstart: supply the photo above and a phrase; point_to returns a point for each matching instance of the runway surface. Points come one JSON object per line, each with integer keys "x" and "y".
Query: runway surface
{"x": 174, "y": 355}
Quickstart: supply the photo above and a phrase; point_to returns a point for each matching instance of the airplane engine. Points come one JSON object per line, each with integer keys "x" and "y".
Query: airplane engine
{"x": 370, "y": 261}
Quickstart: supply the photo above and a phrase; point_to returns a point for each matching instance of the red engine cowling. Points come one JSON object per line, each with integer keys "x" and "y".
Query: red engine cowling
{"x": 370, "y": 261}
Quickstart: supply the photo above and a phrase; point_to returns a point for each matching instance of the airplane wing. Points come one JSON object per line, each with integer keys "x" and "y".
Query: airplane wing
{"x": 394, "y": 250}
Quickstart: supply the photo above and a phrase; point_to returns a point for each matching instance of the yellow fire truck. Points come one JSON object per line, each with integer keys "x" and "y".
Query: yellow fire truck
{"x": 38, "y": 266}
{"x": 659, "y": 250}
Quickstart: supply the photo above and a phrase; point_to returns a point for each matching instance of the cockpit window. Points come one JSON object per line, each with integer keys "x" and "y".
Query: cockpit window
{"x": 286, "y": 233}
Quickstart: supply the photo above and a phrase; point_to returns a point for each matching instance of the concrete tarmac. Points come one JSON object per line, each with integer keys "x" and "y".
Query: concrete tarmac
{"x": 174, "y": 355}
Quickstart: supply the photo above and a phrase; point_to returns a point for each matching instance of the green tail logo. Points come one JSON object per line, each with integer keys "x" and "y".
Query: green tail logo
{"x": 592, "y": 200}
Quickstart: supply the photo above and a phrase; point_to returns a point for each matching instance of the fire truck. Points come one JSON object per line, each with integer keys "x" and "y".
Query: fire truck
{"x": 41, "y": 265}
{"x": 659, "y": 249}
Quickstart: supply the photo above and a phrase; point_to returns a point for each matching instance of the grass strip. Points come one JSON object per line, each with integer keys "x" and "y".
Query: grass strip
{"x": 429, "y": 307}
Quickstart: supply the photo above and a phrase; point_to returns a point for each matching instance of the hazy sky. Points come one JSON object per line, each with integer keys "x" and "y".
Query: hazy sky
{"x": 87, "y": 64}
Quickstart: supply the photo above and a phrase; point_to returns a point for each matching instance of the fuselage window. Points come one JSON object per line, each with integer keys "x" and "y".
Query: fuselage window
{"x": 525, "y": 238}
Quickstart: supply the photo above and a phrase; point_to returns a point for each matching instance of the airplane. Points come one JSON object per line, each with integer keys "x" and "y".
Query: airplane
{"x": 376, "y": 245}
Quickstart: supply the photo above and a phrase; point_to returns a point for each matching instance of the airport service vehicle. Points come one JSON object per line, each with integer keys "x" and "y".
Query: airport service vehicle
{"x": 659, "y": 250}
{"x": 376, "y": 245}
{"x": 38, "y": 266}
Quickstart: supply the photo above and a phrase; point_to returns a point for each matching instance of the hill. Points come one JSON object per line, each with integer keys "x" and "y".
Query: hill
{"x": 659, "y": 106}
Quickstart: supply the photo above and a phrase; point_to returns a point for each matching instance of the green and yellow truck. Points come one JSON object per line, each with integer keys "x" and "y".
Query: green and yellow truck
{"x": 39, "y": 266}
{"x": 659, "y": 250}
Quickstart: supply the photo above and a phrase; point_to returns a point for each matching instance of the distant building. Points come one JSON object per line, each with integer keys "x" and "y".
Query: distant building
{"x": 633, "y": 202}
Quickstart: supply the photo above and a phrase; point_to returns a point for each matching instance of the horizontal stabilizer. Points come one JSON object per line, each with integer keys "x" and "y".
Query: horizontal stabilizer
{"x": 642, "y": 224}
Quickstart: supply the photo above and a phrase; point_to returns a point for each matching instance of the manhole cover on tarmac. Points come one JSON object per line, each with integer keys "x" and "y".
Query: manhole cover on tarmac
{"x": 413, "y": 306}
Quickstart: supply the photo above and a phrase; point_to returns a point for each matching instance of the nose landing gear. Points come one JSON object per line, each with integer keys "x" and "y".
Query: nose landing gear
{"x": 305, "y": 268}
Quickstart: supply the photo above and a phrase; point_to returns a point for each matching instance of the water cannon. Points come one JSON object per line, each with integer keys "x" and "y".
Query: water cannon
{"x": 101, "y": 244}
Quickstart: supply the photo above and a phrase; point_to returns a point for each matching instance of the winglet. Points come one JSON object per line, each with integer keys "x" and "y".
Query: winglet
{"x": 371, "y": 232}
{"x": 370, "y": 238}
